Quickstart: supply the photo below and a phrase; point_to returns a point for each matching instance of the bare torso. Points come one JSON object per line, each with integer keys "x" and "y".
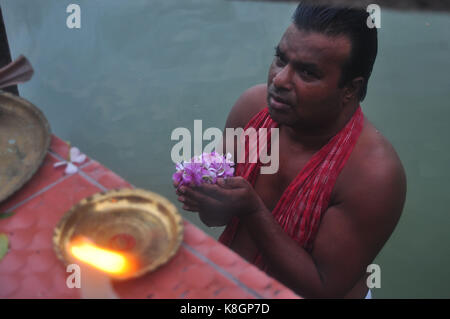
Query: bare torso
{"x": 270, "y": 187}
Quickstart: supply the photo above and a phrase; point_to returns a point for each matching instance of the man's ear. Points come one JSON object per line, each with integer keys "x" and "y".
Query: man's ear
{"x": 353, "y": 88}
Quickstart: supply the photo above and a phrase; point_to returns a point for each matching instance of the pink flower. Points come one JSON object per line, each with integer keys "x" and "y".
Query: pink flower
{"x": 205, "y": 168}
{"x": 75, "y": 156}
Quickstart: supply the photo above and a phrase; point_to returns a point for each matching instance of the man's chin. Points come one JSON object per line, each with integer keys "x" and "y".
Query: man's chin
{"x": 280, "y": 116}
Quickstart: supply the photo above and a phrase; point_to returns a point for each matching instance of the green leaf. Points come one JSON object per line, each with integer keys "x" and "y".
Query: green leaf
{"x": 6, "y": 215}
{"x": 4, "y": 242}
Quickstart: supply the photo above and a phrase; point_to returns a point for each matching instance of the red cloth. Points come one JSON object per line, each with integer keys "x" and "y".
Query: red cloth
{"x": 300, "y": 208}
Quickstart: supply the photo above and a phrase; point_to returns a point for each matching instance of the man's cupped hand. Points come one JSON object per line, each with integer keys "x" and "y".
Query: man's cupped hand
{"x": 218, "y": 203}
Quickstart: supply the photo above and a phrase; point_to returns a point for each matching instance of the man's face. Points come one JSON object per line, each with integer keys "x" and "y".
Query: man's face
{"x": 303, "y": 79}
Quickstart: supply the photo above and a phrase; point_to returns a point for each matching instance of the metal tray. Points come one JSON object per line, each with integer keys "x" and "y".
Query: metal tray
{"x": 24, "y": 140}
{"x": 140, "y": 223}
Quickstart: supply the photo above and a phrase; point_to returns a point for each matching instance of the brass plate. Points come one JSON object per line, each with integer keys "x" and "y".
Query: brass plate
{"x": 142, "y": 224}
{"x": 24, "y": 141}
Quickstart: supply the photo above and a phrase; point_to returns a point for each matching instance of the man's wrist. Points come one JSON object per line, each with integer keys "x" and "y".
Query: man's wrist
{"x": 254, "y": 213}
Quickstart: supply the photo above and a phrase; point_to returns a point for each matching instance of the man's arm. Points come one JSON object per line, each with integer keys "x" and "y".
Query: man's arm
{"x": 350, "y": 235}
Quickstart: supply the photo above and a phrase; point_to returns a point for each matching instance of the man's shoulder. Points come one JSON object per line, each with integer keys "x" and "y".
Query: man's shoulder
{"x": 373, "y": 174}
{"x": 247, "y": 105}
{"x": 374, "y": 154}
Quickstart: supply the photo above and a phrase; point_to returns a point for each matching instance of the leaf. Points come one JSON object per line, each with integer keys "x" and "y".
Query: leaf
{"x": 4, "y": 242}
{"x": 6, "y": 215}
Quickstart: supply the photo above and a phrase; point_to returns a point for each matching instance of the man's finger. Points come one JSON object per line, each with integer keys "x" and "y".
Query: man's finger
{"x": 232, "y": 182}
{"x": 213, "y": 190}
{"x": 191, "y": 208}
{"x": 178, "y": 192}
{"x": 187, "y": 201}
{"x": 204, "y": 202}
{"x": 194, "y": 195}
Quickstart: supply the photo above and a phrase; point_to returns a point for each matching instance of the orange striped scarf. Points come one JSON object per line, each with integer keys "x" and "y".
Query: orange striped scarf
{"x": 302, "y": 204}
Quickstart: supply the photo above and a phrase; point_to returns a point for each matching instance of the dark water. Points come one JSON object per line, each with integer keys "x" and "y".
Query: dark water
{"x": 138, "y": 69}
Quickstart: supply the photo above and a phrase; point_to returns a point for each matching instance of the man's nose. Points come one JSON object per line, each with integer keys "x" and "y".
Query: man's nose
{"x": 283, "y": 78}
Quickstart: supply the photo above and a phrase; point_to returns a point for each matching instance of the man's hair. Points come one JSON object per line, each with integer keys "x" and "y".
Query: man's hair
{"x": 347, "y": 21}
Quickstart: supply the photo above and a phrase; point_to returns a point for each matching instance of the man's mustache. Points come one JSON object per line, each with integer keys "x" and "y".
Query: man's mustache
{"x": 280, "y": 97}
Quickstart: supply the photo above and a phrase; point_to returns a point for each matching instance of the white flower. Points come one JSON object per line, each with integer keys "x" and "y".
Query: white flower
{"x": 75, "y": 156}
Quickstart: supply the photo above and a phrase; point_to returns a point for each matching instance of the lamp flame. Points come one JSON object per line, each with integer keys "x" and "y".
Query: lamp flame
{"x": 109, "y": 261}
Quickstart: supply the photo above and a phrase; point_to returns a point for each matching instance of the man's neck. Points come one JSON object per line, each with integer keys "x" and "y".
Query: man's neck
{"x": 313, "y": 140}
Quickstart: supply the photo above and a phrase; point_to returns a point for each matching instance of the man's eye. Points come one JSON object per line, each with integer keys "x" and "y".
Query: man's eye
{"x": 307, "y": 73}
{"x": 279, "y": 60}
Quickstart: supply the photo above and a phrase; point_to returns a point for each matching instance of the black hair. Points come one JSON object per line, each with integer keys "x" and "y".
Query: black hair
{"x": 347, "y": 21}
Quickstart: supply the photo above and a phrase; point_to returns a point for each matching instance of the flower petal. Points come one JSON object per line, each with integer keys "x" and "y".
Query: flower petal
{"x": 74, "y": 151}
{"x": 59, "y": 164}
{"x": 204, "y": 168}
{"x": 79, "y": 158}
{"x": 76, "y": 156}
{"x": 71, "y": 169}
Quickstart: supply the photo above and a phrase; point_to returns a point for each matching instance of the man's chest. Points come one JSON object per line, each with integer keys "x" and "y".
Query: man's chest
{"x": 270, "y": 187}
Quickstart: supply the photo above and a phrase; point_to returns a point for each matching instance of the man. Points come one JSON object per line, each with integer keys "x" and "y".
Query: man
{"x": 317, "y": 223}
